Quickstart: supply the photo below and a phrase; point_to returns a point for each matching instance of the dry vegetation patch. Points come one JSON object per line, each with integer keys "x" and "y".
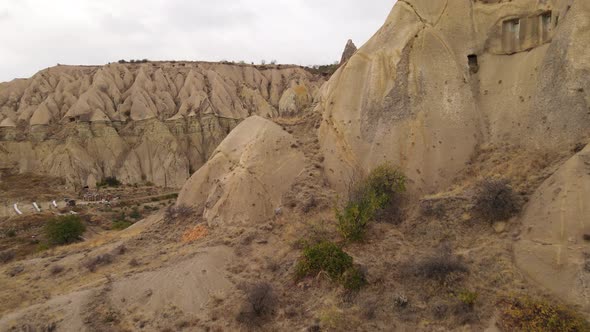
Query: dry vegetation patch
{"x": 196, "y": 233}
{"x": 259, "y": 305}
{"x": 528, "y": 315}
{"x": 496, "y": 200}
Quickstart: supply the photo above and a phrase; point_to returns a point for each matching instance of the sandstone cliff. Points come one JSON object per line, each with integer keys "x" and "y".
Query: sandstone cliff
{"x": 156, "y": 122}
{"x": 442, "y": 81}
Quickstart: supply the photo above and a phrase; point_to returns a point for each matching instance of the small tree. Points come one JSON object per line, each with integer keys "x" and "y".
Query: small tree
{"x": 64, "y": 230}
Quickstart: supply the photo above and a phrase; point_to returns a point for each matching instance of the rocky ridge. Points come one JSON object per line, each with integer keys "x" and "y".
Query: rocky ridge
{"x": 152, "y": 122}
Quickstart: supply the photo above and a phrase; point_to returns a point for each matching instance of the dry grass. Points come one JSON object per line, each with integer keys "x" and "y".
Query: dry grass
{"x": 496, "y": 200}
{"x": 259, "y": 305}
{"x": 196, "y": 233}
{"x": 94, "y": 262}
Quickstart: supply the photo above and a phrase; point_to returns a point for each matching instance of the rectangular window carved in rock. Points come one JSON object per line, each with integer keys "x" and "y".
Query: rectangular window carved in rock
{"x": 511, "y": 35}
{"x": 545, "y": 32}
{"x": 473, "y": 63}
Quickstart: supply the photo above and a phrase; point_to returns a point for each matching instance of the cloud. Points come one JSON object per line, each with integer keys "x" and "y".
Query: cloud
{"x": 44, "y": 33}
{"x": 5, "y": 15}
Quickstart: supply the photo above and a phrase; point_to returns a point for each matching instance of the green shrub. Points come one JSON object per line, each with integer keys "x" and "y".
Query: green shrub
{"x": 121, "y": 225}
{"x": 386, "y": 181}
{"x": 375, "y": 197}
{"x": 110, "y": 181}
{"x": 64, "y": 230}
{"x": 467, "y": 298}
{"x": 356, "y": 215}
{"x": 330, "y": 258}
{"x": 528, "y": 315}
{"x": 326, "y": 257}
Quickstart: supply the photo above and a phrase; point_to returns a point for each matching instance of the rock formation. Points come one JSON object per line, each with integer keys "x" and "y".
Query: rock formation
{"x": 442, "y": 80}
{"x": 410, "y": 95}
{"x": 156, "y": 122}
{"x": 247, "y": 175}
{"x": 439, "y": 87}
{"x": 349, "y": 51}
{"x": 553, "y": 250}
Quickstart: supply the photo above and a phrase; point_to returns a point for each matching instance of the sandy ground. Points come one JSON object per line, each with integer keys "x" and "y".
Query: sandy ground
{"x": 155, "y": 281}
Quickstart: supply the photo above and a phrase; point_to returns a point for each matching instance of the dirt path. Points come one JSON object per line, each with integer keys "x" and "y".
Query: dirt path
{"x": 311, "y": 189}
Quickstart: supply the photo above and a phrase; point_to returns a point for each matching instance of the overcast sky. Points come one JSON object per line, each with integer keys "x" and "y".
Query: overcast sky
{"x": 35, "y": 34}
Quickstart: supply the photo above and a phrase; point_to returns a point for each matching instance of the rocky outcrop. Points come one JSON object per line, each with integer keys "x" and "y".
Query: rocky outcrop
{"x": 441, "y": 79}
{"x": 552, "y": 249}
{"x": 156, "y": 122}
{"x": 247, "y": 175}
{"x": 349, "y": 51}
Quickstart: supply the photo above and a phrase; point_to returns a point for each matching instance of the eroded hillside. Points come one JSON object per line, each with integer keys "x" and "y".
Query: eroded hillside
{"x": 149, "y": 122}
{"x": 474, "y": 116}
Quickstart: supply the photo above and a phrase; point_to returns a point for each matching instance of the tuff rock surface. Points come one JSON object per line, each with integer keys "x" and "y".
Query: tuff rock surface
{"x": 156, "y": 122}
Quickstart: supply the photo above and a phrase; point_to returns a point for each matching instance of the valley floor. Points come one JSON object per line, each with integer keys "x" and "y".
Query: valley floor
{"x": 174, "y": 273}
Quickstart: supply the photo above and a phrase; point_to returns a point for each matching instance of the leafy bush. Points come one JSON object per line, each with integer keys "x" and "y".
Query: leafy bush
{"x": 120, "y": 225}
{"x": 260, "y": 303}
{"x": 525, "y": 314}
{"x": 496, "y": 200}
{"x": 110, "y": 181}
{"x": 386, "y": 181}
{"x": 64, "y": 230}
{"x": 326, "y": 257}
{"x": 374, "y": 197}
{"x": 329, "y": 258}
{"x": 356, "y": 215}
